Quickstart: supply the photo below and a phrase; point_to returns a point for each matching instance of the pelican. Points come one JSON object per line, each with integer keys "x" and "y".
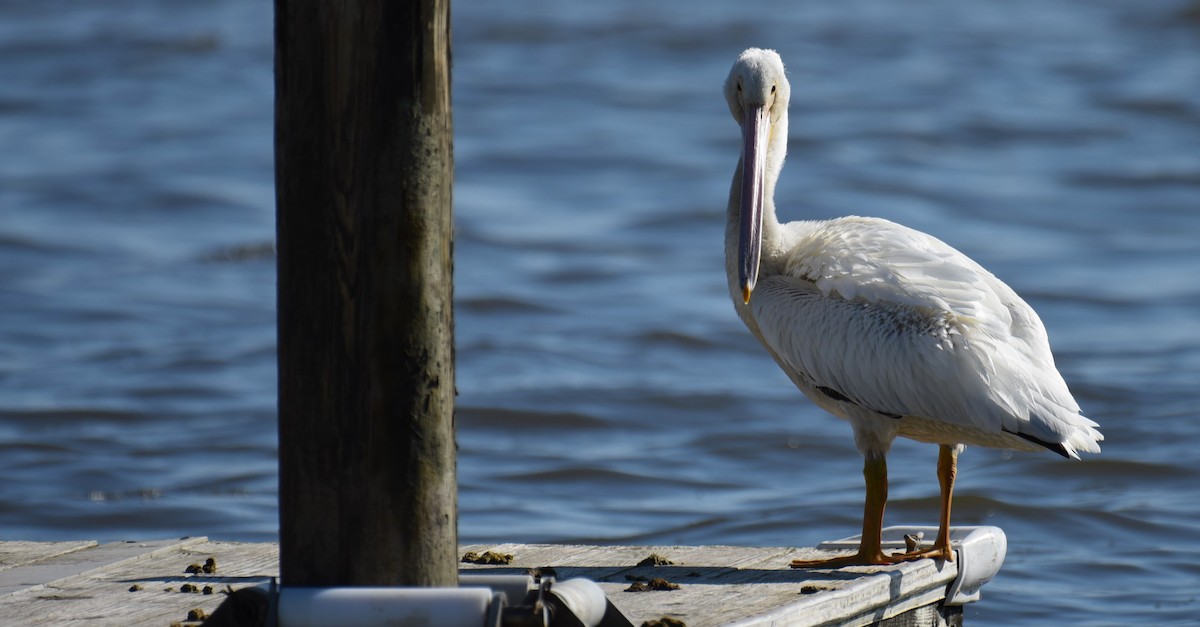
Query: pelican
{"x": 884, "y": 326}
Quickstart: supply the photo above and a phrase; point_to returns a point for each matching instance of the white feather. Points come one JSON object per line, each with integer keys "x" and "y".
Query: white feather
{"x": 901, "y": 323}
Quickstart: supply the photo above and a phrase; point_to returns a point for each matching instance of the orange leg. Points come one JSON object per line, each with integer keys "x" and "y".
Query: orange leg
{"x": 947, "y": 470}
{"x": 869, "y": 550}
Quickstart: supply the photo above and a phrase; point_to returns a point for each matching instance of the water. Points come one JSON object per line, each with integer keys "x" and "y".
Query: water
{"x": 608, "y": 392}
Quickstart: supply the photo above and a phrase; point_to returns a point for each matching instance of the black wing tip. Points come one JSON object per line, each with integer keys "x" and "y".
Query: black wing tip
{"x": 1057, "y": 447}
{"x": 838, "y": 396}
{"x": 834, "y": 394}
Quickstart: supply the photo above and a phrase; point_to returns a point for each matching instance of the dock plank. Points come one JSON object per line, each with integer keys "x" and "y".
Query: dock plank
{"x": 92, "y": 586}
{"x": 14, "y": 554}
{"x": 84, "y": 583}
{"x": 734, "y": 585}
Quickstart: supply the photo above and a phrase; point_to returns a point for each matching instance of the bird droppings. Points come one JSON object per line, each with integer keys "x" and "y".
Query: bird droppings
{"x": 207, "y": 590}
{"x": 656, "y": 584}
{"x": 810, "y": 589}
{"x": 195, "y": 614}
{"x": 187, "y": 587}
{"x": 135, "y": 587}
{"x": 665, "y": 621}
{"x": 208, "y": 567}
{"x": 655, "y": 560}
{"x": 488, "y": 557}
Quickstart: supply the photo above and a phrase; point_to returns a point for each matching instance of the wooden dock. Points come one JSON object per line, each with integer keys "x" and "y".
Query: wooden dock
{"x": 149, "y": 583}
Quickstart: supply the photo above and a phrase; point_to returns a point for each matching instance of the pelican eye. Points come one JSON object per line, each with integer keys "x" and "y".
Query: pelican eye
{"x": 772, "y": 88}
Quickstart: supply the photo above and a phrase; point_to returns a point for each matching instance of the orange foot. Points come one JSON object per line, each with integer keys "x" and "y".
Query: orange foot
{"x": 943, "y": 552}
{"x": 878, "y": 558}
{"x": 862, "y": 558}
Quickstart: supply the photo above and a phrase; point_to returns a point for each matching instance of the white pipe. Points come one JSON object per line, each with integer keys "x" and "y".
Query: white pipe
{"x": 514, "y": 587}
{"x": 371, "y": 607}
{"x": 584, "y": 598}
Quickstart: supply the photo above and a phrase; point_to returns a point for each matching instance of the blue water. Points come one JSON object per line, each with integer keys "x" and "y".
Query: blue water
{"x": 607, "y": 391}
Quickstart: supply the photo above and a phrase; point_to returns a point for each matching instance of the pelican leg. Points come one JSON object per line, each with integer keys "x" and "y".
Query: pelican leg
{"x": 947, "y": 470}
{"x": 870, "y": 552}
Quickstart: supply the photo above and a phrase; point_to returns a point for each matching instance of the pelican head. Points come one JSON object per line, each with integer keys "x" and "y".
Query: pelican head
{"x": 757, "y": 92}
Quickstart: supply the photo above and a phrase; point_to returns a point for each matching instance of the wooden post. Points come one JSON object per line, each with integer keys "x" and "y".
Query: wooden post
{"x": 364, "y": 170}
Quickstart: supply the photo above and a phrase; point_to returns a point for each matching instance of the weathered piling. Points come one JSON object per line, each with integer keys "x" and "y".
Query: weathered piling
{"x": 364, "y": 171}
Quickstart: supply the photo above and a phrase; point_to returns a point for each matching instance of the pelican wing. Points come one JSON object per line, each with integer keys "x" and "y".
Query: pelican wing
{"x": 900, "y": 323}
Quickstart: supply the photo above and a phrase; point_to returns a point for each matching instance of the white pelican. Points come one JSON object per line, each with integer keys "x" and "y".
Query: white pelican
{"x": 885, "y": 327}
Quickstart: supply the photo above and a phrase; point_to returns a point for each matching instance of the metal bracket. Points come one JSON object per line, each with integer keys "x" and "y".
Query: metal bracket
{"x": 979, "y": 553}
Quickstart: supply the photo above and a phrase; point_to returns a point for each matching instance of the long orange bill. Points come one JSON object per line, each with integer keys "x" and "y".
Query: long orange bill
{"x": 755, "y": 129}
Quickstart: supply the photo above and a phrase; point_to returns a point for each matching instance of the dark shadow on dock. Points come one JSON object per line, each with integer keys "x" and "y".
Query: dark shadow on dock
{"x": 198, "y": 580}
{"x": 684, "y": 574}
